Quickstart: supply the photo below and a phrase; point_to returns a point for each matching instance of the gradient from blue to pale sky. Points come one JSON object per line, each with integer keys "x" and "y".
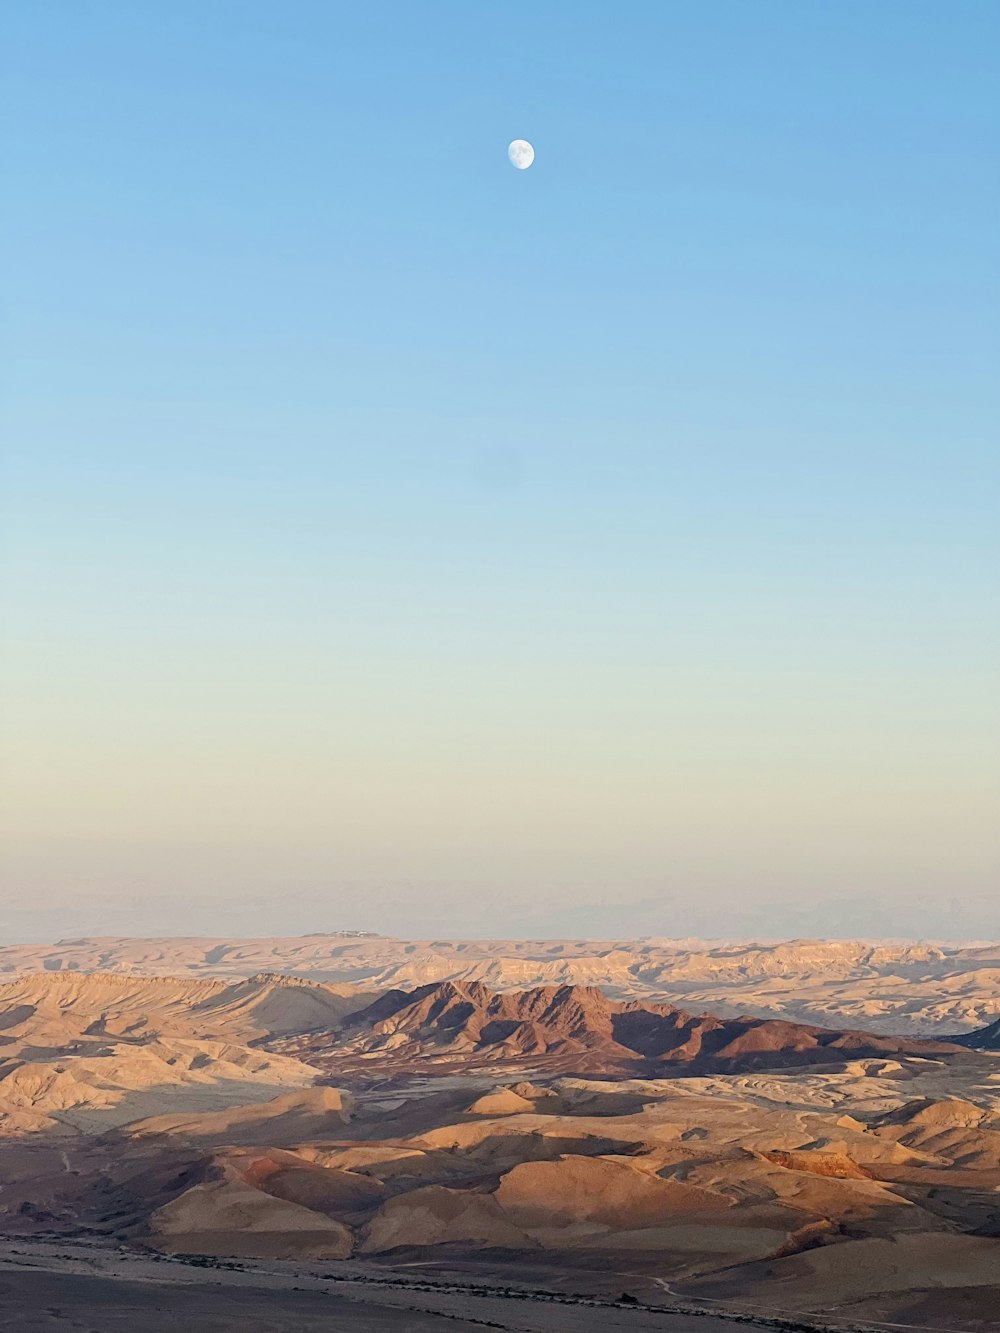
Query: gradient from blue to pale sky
{"x": 396, "y": 540}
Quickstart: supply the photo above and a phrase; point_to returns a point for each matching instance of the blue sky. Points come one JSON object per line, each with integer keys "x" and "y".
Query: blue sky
{"x": 397, "y": 540}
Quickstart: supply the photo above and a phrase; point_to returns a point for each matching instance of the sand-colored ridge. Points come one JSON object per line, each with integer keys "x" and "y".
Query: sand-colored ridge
{"x": 837, "y": 1165}
{"x": 227, "y": 1216}
{"x": 845, "y": 1274}
{"x": 437, "y": 1215}
{"x": 288, "y": 1118}
{"x": 576, "y": 1191}
{"x": 503, "y": 1101}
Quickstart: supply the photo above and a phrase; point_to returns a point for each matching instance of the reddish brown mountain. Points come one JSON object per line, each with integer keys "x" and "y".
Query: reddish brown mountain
{"x": 580, "y": 1028}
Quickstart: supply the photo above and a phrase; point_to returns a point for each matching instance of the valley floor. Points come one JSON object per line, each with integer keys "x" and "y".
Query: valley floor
{"x": 77, "y": 1286}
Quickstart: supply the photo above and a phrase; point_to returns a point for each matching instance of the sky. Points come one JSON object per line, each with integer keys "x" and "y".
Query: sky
{"x": 395, "y": 540}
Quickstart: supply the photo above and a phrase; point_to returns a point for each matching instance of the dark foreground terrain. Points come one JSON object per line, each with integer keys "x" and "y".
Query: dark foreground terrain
{"x": 165, "y": 1297}
{"x": 95, "y": 1304}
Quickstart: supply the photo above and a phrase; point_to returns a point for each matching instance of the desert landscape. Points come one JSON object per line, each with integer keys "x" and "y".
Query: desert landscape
{"x": 424, "y": 1133}
{"x": 898, "y": 987}
{"x": 500, "y": 746}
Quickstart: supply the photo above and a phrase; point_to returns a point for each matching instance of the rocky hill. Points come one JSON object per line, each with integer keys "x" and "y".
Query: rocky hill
{"x": 580, "y": 1027}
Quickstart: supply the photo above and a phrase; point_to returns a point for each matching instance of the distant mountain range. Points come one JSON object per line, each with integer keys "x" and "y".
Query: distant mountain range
{"x": 917, "y": 989}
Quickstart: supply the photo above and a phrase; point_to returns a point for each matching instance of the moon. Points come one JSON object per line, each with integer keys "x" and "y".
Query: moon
{"x": 521, "y": 154}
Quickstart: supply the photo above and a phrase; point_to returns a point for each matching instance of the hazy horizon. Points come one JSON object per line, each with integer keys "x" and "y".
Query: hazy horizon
{"x": 397, "y": 540}
{"x": 261, "y": 918}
